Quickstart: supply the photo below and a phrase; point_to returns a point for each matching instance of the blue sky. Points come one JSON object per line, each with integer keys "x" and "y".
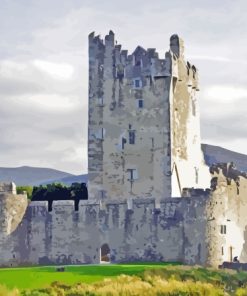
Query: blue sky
{"x": 43, "y": 70}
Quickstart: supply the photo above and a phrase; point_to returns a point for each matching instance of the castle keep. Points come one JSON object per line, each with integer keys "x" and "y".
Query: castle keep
{"x": 144, "y": 132}
{"x": 148, "y": 184}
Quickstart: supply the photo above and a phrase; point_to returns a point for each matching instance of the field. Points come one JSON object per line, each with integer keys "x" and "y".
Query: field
{"x": 122, "y": 279}
{"x": 39, "y": 277}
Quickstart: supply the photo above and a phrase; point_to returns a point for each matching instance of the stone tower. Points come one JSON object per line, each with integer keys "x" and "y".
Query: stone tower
{"x": 143, "y": 131}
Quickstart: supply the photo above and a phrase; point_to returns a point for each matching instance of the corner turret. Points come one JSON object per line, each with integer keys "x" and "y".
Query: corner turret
{"x": 177, "y": 45}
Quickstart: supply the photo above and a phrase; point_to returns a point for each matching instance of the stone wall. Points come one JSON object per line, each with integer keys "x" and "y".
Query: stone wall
{"x": 226, "y": 211}
{"x": 203, "y": 227}
{"x": 7, "y": 187}
{"x": 187, "y": 163}
{"x": 129, "y": 133}
{"x": 140, "y": 230}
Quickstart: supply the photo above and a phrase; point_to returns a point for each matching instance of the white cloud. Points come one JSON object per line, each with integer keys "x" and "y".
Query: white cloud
{"x": 209, "y": 58}
{"x": 50, "y": 102}
{"x": 57, "y": 71}
{"x": 225, "y": 93}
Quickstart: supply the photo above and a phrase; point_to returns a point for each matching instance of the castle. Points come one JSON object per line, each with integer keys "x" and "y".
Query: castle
{"x": 149, "y": 196}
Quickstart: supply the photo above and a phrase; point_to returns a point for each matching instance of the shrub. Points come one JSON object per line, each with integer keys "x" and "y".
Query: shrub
{"x": 5, "y": 292}
{"x": 132, "y": 286}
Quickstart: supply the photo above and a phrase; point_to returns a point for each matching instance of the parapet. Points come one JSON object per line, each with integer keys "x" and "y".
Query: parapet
{"x": 229, "y": 170}
{"x": 141, "y": 64}
{"x": 8, "y": 187}
{"x": 196, "y": 192}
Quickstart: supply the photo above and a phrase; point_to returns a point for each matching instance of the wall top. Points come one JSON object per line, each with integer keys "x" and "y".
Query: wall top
{"x": 9, "y": 187}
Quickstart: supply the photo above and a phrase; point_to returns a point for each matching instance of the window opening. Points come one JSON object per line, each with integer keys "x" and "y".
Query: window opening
{"x": 133, "y": 175}
{"x": 137, "y": 83}
{"x": 140, "y": 103}
{"x": 123, "y": 142}
{"x": 101, "y": 134}
{"x": 132, "y": 137}
{"x": 223, "y": 229}
{"x": 101, "y": 101}
{"x": 196, "y": 174}
{"x": 193, "y": 107}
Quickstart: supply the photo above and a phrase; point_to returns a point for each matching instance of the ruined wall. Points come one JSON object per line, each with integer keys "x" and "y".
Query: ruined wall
{"x": 140, "y": 230}
{"x": 226, "y": 211}
{"x": 187, "y": 163}
{"x": 12, "y": 210}
{"x": 12, "y": 207}
{"x": 7, "y": 188}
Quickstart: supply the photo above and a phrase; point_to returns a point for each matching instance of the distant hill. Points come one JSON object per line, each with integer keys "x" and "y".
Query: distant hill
{"x": 69, "y": 180}
{"x": 216, "y": 154}
{"x": 26, "y": 175}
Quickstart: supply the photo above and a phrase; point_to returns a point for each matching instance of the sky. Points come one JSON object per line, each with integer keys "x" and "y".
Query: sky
{"x": 44, "y": 70}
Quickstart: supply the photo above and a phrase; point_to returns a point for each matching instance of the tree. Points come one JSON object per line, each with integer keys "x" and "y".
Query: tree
{"x": 27, "y": 189}
{"x": 58, "y": 191}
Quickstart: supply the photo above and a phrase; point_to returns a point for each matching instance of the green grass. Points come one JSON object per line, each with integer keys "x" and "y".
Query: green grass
{"x": 40, "y": 277}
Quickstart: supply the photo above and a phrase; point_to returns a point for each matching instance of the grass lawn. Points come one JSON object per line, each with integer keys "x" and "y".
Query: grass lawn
{"x": 40, "y": 277}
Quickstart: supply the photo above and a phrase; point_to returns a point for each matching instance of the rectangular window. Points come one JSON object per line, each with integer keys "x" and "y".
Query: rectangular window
{"x": 193, "y": 107}
{"x": 100, "y": 102}
{"x": 223, "y": 229}
{"x": 222, "y": 251}
{"x": 140, "y": 103}
{"x": 131, "y": 137}
{"x": 137, "y": 83}
{"x": 133, "y": 174}
{"x": 100, "y": 134}
{"x": 196, "y": 174}
{"x": 123, "y": 142}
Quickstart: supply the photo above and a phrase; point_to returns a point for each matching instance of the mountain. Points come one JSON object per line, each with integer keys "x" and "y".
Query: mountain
{"x": 26, "y": 175}
{"x": 69, "y": 180}
{"x": 216, "y": 154}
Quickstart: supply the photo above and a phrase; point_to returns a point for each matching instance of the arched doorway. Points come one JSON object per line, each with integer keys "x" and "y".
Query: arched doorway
{"x": 105, "y": 254}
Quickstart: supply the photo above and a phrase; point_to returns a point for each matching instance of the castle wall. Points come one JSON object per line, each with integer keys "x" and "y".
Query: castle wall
{"x": 140, "y": 230}
{"x": 226, "y": 211}
{"x": 203, "y": 227}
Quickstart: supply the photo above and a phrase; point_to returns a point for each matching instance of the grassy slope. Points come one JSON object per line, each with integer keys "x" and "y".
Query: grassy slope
{"x": 39, "y": 277}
